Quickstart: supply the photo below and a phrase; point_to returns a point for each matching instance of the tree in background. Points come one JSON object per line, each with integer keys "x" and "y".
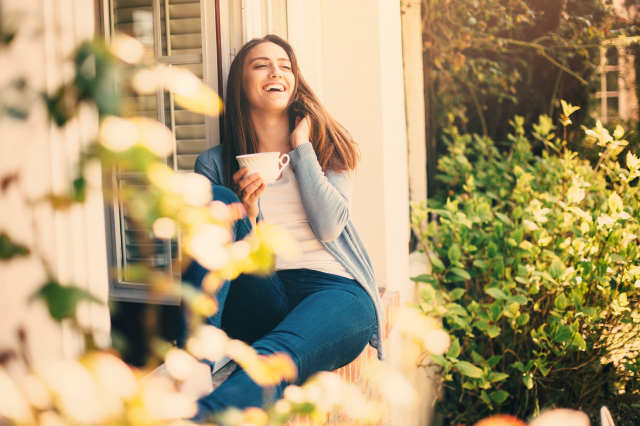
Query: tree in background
{"x": 488, "y": 59}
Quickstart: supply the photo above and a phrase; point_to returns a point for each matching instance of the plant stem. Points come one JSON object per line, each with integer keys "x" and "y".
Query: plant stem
{"x": 476, "y": 101}
{"x": 555, "y": 92}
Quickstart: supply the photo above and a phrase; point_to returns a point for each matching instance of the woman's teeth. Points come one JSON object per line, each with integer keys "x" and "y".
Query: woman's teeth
{"x": 273, "y": 88}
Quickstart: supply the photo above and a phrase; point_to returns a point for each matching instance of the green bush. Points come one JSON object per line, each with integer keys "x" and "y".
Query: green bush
{"x": 535, "y": 274}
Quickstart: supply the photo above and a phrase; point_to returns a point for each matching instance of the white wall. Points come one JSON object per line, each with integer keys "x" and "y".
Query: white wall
{"x": 363, "y": 89}
{"x": 73, "y": 241}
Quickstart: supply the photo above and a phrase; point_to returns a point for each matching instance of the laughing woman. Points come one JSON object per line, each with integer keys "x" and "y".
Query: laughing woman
{"x": 323, "y": 308}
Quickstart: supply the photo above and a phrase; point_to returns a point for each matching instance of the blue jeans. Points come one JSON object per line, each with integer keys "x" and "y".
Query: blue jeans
{"x": 322, "y": 321}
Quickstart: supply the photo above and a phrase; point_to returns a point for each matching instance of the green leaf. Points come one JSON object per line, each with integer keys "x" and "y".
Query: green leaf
{"x": 618, "y": 258}
{"x": 457, "y": 293}
{"x": 454, "y": 350}
{"x": 440, "y": 360}
{"x": 62, "y": 301}
{"x": 590, "y": 312}
{"x": 543, "y": 370}
{"x": 80, "y": 189}
{"x": 494, "y": 331}
{"x": 499, "y": 396}
{"x": 495, "y": 311}
{"x": 563, "y": 334}
{"x": 476, "y": 357}
{"x": 561, "y": 302}
{"x": 455, "y": 309}
{"x": 492, "y": 249}
{"x": 518, "y": 299}
{"x": 498, "y": 268}
{"x": 494, "y": 360}
{"x": 437, "y": 263}
{"x": 454, "y": 253}
{"x": 496, "y": 377}
{"x": 462, "y": 323}
{"x": 503, "y": 218}
{"x": 481, "y": 325}
{"x": 429, "y": 279}
{"x": 9, "y": 249}
{"x": 496, "y": 293}
{"x": 461, "y": 273}
{"x": 522, "y": 319}
{"x": 518, "y": 235}
{"x": 468, "y": 369}
{"x": 556, "y": 268}
{"x": 481, "y": 264}
{"x": 578, "y": 341}
{"x": 485, "y": 397}
{"x": 519, "y": 366}
{"x": 469, "y": 385}
{"x": 527, "y": 379}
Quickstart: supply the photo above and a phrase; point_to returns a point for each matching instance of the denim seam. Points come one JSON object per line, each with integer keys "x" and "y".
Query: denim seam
{"x": 276, "y": 287}
{"x": 295, "y": 296}
{"x": 330, "y": 343}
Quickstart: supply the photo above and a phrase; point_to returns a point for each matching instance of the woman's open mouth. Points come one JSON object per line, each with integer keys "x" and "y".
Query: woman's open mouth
{"x": 273, "y": 88}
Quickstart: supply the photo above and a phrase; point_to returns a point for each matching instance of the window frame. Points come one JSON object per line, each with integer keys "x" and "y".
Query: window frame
{"x": 119, "y": 289}
{"x": 603, "y": 94}
{"x": 216, "y": 58}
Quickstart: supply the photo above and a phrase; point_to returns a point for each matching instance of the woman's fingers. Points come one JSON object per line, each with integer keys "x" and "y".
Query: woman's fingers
{"x": 242, "y": 185}
{"x": 257, "y": 193}
{"x": 237, "y": 176}
{"x": 250, "y": 189}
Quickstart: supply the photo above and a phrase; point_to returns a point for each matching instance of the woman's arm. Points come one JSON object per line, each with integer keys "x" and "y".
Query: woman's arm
{"x": 326, "y": 199}
{"x": 206, "y": 165}
{"x": 248, "y": 189}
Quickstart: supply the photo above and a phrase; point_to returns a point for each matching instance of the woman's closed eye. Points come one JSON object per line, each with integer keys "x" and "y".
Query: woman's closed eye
{"x": 286, "y": 67}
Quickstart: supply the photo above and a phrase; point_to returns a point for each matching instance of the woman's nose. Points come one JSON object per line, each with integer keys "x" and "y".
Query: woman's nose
{"x": 276, "y": 72}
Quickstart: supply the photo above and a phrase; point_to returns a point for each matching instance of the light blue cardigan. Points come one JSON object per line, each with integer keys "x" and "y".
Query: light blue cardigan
{"x": 326, "y": 200}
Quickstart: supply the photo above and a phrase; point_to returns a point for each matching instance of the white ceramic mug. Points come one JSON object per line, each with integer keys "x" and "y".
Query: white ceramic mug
{"x": 268, "y": 165}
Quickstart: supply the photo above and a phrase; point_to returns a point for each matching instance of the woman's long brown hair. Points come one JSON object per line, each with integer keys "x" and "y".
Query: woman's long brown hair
{"x": 332, "y": 143}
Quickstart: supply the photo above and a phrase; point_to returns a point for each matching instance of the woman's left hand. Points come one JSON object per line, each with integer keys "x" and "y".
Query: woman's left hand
{"x": 300, "y": 134}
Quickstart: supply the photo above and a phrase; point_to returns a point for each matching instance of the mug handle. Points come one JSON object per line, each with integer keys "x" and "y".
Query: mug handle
{"x": 284, "y": 163}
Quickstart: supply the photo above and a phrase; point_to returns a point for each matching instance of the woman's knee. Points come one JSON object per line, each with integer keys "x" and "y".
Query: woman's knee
{"x": 224, "y": 194}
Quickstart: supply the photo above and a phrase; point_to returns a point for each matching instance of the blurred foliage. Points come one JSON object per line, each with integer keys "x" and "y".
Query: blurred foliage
{"x": 487, "y": 60}
{"x": 10, "y": 249}
{"x": 62, "y": 301}
{"x": 535, "y": 273}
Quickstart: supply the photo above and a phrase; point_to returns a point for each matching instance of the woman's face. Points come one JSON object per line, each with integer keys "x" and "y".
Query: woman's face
{"x": 267, "y": 78}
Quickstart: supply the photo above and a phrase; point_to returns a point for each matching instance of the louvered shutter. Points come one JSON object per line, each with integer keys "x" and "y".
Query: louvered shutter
{"x": 171, "y": 31}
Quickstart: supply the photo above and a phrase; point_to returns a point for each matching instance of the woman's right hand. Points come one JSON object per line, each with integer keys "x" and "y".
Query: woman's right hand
{"x": 248, "y": 189}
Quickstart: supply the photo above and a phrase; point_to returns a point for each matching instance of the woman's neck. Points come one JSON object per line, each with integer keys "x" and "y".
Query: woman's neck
{"x": 272, "y": 132}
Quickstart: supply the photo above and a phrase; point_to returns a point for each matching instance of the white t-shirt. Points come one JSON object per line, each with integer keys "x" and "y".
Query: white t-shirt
{"x": 281, "y": 207}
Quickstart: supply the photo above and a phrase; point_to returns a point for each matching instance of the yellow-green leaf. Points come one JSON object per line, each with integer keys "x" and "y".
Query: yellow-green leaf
{"x": 527, "y": 379}
{"x": 615, "y": 202}
{"x": 496, "y": 293}
{"x": 499, "y": 396}
{"x": 468, "y": 369}
{"x": 568, "y": 109}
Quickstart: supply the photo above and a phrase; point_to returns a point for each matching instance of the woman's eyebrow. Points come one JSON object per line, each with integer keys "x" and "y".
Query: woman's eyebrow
{"x": 264, "y": 58}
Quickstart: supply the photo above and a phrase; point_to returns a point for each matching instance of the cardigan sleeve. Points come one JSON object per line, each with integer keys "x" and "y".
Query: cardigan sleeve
{"x": 206, "y": 165}
{"x": 326, "y": 199}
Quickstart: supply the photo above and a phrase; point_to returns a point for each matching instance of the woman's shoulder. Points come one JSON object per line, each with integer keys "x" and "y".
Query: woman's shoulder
{"x": 211, "y": 164}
